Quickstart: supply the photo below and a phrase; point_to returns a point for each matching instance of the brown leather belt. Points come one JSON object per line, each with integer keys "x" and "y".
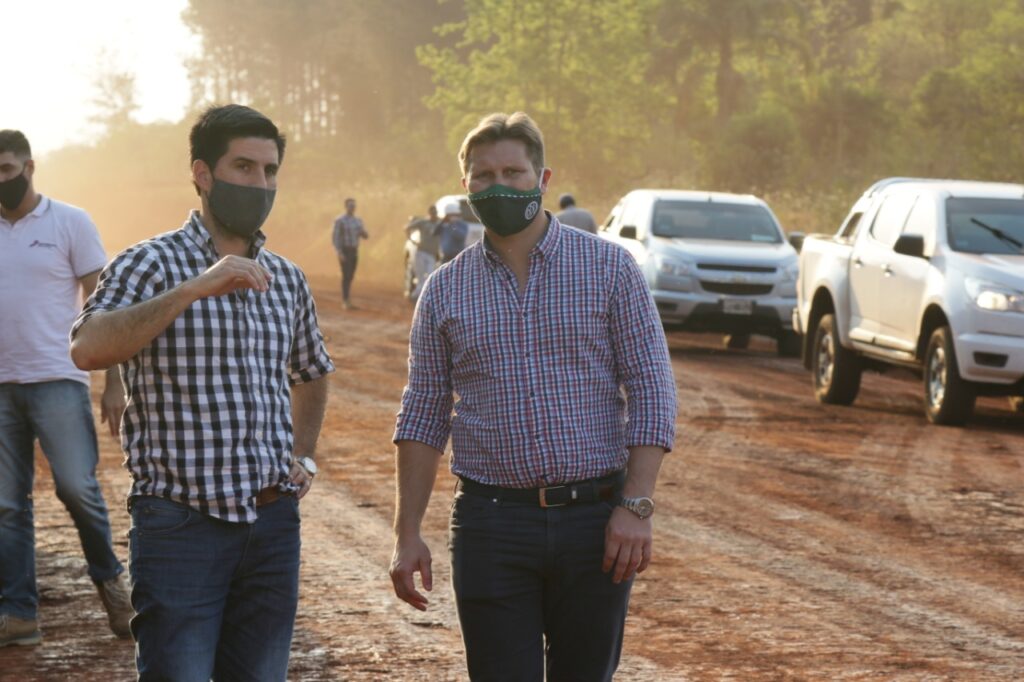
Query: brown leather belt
{"x": 268, "y": 495}
{"x": 606, "y": 488}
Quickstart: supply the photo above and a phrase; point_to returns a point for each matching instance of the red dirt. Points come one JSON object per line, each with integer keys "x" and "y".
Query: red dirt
{"x": 793, "y": 541}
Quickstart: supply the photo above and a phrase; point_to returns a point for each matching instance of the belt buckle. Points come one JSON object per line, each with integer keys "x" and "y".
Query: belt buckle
{"x": 544, "y": 500}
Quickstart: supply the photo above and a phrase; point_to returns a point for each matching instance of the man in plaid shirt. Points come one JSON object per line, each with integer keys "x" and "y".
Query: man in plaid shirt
{"x": 225, "y": 369}
{"x": 538, "y": 329}
{"x": 348, "y": 230}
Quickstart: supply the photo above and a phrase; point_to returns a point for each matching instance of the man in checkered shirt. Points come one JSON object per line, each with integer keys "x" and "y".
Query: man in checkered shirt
{"x": 540, "y": 330}
{"x": 225, "y": 369}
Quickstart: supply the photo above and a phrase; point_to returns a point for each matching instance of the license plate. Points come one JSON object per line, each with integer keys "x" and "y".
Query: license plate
{"x": 737, "y": 306}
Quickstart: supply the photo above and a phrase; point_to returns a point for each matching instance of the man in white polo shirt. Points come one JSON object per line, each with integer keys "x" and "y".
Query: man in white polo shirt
{"x": 49, "y": 253}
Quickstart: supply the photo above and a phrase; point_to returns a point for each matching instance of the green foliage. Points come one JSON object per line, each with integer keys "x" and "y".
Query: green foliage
{"x": 804, "y": 101}
{"x": 578, "y": 67}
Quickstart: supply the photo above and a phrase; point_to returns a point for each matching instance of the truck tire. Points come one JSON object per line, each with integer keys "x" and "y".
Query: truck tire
{"x": 787, "y": 345}
{"x": 948, "y": 399}
{"x": 835, "y": 370}
{"x": 737, "y": 341}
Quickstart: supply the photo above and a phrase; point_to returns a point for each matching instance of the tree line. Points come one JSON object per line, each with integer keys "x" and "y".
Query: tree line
{"x": 806, "y": 101}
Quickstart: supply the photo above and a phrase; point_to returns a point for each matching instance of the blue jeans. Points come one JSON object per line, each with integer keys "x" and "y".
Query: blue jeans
{"x": 58, "y": 413}
{"x": 213, "y": 598}
{"x": 530, "y": 591}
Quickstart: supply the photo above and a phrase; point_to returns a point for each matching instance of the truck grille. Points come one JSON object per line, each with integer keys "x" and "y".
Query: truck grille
{"x": 736, "y": 288}
{"x": 736, "y": 268}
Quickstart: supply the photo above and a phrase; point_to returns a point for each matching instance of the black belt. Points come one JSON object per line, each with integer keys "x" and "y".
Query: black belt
{"x": 605, "y": 488}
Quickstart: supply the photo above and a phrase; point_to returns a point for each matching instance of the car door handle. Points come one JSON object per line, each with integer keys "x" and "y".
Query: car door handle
{"x": 887, "y": 270}
{"x": 858, "y": 263}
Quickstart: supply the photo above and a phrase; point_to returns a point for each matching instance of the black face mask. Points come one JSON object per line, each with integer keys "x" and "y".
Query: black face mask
{"x": 241, "y": 210}
{"x": 505, "y": 210}
{"x": 13, "y": 191}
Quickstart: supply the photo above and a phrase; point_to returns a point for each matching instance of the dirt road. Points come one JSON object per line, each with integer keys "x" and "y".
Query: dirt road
{"x": 792, "y": 541}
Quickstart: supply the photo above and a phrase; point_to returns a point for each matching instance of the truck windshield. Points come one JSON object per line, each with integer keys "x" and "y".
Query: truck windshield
{"x": 714, "y": 220}
{"x": 976, "y": 225}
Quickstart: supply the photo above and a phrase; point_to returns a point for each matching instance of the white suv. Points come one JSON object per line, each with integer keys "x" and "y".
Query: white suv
{"x": 714, "y": 262}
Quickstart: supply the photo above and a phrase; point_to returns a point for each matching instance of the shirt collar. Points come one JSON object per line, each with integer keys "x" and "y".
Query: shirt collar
{"x": 546, "y": 248}
{"x": 42, "y": 207}
{"x": 197, "y": 232}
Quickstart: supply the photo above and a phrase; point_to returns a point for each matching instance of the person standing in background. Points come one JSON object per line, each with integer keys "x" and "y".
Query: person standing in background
{"x": 453, "y": 231}
{"x": 427, "y": 248}
{"x": 348, "y": 230}
{"x": 574, "y": 216}
{"x": 50, "y": 255}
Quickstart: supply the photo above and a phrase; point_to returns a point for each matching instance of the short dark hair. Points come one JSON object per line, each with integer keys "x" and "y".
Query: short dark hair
{"x": 350, "y": 199}
{"x": 16, "y": 142}
{"x": 566, "y": 201}
{"x": 217, "y": 126}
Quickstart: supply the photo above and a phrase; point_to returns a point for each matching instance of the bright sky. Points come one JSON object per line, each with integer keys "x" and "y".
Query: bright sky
{"x": 53, "y": 50}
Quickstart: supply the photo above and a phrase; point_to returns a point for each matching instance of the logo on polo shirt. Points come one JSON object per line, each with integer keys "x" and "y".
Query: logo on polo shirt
{"x": 44, "y": 245}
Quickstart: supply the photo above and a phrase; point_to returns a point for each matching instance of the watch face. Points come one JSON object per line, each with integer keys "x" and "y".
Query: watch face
{"x": 645, "y": 507}
{"x": 308, "y": 464}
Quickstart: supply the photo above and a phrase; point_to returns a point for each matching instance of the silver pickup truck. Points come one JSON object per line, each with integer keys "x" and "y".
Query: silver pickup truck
{"x": 922, "y": 274}
{"x": 715, "y": 262}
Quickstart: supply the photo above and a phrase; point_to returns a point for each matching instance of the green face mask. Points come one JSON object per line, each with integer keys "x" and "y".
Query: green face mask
{"x": 506, "y": 211}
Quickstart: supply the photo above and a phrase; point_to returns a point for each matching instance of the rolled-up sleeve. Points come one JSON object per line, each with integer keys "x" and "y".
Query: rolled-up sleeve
{"x": 309, "y": 359}
{"x": 642, "y": 360}
{"x": 426, "y": 412}
{"x": 133, "y": 276}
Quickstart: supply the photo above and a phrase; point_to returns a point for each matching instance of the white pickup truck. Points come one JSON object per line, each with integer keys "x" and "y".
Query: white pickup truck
{"x": 924, "y": 274}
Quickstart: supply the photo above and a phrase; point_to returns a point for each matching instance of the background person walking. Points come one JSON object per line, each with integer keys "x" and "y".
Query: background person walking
{"x": 348, "y": 230}
{"x": 50, "y": 254}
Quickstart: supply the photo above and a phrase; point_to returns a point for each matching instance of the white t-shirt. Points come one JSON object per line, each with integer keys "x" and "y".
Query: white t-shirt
{"x": 42, "y": 256}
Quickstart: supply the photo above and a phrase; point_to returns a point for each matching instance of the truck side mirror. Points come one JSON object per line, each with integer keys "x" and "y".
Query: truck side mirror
{"x": 796, "y": 239}
{"x": 910, "y": 245}
{"x": 628, "y": 232}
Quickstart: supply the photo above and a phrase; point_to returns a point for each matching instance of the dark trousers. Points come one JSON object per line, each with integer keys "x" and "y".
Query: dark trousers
{"x": 213, "y": 599}
{"x": 349, "y": 261}
{"x": 529, "y": 586}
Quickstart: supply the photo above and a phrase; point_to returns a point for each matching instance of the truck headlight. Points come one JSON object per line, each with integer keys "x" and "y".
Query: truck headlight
{"x": 994, "y": 297}
{"x": 675, "y": 268}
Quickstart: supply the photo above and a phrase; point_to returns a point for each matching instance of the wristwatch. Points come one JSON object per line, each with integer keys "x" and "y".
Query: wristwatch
{"x": 308, "y": 464}
{"x": 641, "y": 506}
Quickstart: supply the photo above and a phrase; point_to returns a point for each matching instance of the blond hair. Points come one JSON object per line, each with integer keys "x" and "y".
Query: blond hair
{"x": 499, "y": 126}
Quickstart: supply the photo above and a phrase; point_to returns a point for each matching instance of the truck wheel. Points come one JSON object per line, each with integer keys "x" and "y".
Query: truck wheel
{"x": 787, "y": 345}
{"x": 948, "y": 399}
{"x": 737, "y": 341}
{"x": 836, "y": 371}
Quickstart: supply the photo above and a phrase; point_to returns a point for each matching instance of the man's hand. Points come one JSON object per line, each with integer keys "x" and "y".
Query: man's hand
{"x": 112, "y": 401}
{"x": 300, "y": 477}
{"x": 229, "y": 274}
{"x": 627, "y": 544}
{"x": 411, "y": 555}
